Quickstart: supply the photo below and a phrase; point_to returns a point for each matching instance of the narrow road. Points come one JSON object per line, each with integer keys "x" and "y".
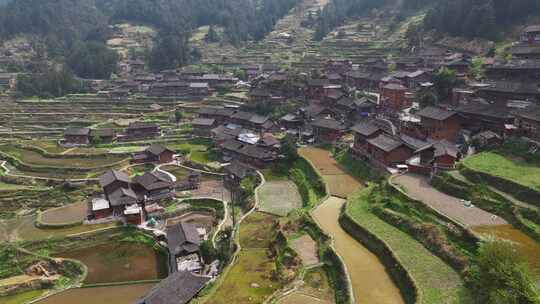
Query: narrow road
{"x": 419, "y": 188}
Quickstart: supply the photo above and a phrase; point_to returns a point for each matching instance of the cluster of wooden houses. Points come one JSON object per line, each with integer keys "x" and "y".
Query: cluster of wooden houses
{"x": 168, "y": 84}
{"x": 86, "y": 136}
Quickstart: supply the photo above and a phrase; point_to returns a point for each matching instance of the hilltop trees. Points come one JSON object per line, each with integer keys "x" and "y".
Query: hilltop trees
{"x": 92, "y": 60}
{"x": 480, "y": 18}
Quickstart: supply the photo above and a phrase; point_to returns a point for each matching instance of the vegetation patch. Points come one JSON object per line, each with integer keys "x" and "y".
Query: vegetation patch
{"x": 436, "y": 281}
{"x": 252, "y": 279}
{"x": 512, "y": 170}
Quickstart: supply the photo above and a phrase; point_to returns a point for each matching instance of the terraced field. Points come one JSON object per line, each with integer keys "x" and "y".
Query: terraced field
{"x": 34, "y": 158}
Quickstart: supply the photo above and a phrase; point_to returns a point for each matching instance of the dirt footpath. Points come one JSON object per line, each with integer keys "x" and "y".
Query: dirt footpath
{"x": 419, "y": 188}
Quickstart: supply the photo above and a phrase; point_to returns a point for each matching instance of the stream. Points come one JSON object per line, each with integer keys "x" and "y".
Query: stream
{"x": 371, "y": 282}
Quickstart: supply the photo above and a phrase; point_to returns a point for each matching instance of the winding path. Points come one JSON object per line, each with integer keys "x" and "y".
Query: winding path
{"x": 419, "y": 188}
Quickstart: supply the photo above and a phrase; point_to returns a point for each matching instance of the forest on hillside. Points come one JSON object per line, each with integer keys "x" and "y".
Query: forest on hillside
{"x": 64, "y": 26}
{"x": 487, "y": 19}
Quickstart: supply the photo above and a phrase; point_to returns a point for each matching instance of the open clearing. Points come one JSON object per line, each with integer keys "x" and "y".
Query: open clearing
{"x": 515, "y": 170}
{"x": 67, "y": 214}
{"x": 315, "y": 289}
{"x": 279, "y": 197}
{"x": 306, "y": 248}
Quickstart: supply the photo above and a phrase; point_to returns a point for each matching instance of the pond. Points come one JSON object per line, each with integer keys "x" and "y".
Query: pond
{"x": 119, "y": 262}
{"x": 525, "y": 245}
{"x": 124, "y": 294}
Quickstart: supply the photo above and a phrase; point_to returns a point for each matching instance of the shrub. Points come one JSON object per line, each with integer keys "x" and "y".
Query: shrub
{"x": 501, "y": 276}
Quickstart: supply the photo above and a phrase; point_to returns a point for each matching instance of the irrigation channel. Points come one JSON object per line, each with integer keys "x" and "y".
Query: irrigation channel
{"x": 371, "y": 282}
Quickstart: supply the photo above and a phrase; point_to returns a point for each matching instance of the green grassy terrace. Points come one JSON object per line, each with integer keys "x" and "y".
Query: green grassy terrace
{"x": 437, "y": 282}
{"x": 516, "y": 170}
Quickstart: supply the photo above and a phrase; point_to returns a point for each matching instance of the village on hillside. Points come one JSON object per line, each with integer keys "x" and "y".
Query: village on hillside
{"x": 240, "y": 179}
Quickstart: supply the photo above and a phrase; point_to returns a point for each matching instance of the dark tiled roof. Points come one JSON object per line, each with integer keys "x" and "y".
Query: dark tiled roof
{"x": 142, "y": 125}
{"x": 486, "y": 110}
{"x": 532, "y": 113}
{"x": 178, "y": 288}
{"x": 122, "y": 196}
{"x": 241, "y": 115}
{"x": 152, "y": 181}
{"x": 248, "y": 150}
{"x": 203, "y": 122}
{"x": 445, "y": 147}
{"x": 157, "y": 149}
{"x": 318, "y": 82}
{"x": 258, "y": 119}
{"x": 330, "y": 124}
{"x": 524, "y": 50}
{"x": 385, "y": 143}
{"x": 532, "y": 29}
{"x": 513, "y": 87}
{"x": 365, "y": 128}
{"x": 239, "y": 169}
{"x": 183, "y": 238}
{"x": 77, "y": 131}
{"x": 435, "y": 113}
{"x": 102, "y": 132}
{"x": 111, "y": 176}
{"x": 260, "y": 93}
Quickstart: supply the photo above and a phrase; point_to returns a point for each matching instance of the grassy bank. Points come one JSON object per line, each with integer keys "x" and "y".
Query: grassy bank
{"x": 309, "y": 183}
{"x": 510, "y": 174}
{"x": 250, "y": 279}
{"x": 436, "y": 281}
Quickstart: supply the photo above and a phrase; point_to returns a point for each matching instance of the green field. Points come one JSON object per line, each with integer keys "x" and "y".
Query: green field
{"x": 11, "y": 187}
{"x": 436, "y": 281}
{"x": 34, "y": 158}
{"x": 203, "y": 157}
{"x": 24, "y": 297}
{"x": 250, "y": 279}
{"x": 515, "y": 170}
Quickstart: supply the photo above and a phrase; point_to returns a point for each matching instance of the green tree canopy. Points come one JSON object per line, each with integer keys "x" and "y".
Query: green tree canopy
{"x": 500, "y": 275}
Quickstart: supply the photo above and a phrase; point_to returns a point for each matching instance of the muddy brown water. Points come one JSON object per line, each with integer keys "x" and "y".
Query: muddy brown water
{"x": 525, "y": 245}
{"x": 119, "y": 262}
{"x": 125, "y": 294}
{"x": 370, "y": 281}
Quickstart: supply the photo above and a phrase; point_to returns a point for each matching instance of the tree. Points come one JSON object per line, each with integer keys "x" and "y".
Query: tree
{"x": 212, "y": 35}
{"x": 500, "y": 275}
{"x": 178, "y": 115}
{"x": 444, "y": 80}
{"x": 96, "y": 139}
{"x": 477, "y": 70}
{"x": 208, "y": 252}
{"x": 92, "y": 60}
{"x": 426, "y": 97}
